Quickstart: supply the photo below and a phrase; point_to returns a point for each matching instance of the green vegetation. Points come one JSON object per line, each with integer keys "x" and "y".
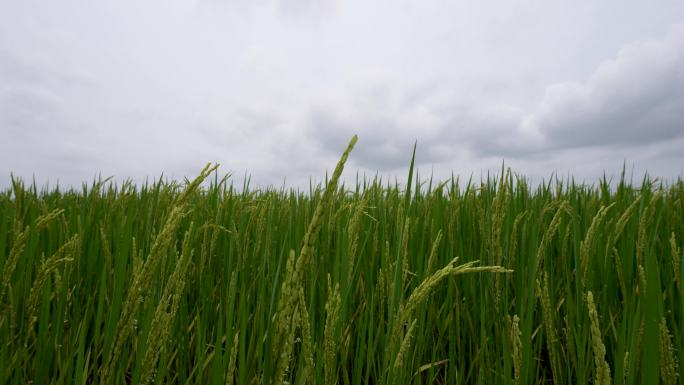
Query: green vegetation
{"x": 202, "y": 283}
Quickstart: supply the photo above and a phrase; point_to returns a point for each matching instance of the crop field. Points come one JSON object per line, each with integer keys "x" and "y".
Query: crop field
{"x": 452, "y": 282}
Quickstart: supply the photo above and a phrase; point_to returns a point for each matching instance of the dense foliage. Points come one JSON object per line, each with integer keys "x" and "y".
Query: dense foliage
{"x": 207, "y": 284}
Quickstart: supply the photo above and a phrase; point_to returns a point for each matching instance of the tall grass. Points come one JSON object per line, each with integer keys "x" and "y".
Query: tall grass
{"x": 370, "y": 283}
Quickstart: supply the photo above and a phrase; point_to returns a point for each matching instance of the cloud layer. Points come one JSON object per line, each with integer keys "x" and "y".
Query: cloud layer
{"x": 276, "y": 88}
{"x": 632, "y": 100}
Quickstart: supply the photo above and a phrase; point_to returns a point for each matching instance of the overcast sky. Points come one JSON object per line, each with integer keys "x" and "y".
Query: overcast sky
{"x": 276, "y": 88}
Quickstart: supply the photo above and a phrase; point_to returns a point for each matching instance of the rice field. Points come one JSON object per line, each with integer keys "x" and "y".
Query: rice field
{"x": 451, "y": 282}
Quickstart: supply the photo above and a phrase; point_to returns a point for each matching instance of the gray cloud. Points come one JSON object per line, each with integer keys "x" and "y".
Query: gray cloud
{"x": 390, "y": 117}
{"x": 634, "y": 99}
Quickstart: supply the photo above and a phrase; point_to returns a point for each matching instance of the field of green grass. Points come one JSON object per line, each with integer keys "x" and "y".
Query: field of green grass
{"x": 457, "y": 282}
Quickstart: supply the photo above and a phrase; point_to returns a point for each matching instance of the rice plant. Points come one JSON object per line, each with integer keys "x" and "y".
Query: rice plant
{"x": 202, "y": 282}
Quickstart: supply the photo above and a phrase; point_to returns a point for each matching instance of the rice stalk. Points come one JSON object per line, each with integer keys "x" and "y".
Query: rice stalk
{"x": 644, "y": 226}
{"x": 43, "y": 220}
{"x": 625, "y": 217}
{"x": 625, "y": 365}
{"x": 675, "y": 253}
{"x": 513, "y": 245}
{"x": 315, "y": 225}
{"x": 620, "y": 273}
{"x": 354, "y": 231}
{"x": 142, "y": 276}
{"x": 332, "y": 310}
{"x": 64, "y": 254}
{"x": 284, "y": 321}
{"x": 18, "y": 244}
{"x": 403, "y": 349}
{"x": 668, "y": 363}
{"x": 587, "y": 243}
{"x": 549, "y": 315}
{"x": 641, "y": 286}
{"x": 285, "y": 316}
{"x": 602, "y": 373}
{"x": 307, "y": 341}
{"x": 230, "y": 374}
{"x": 563, "y": 207}
{"x": 639, "y": 343}
{"x": 433, "y": 252}
{"x": 516, "y": 348}
{"x": 404, "y": 251}
{"x": 165, "y": 312}
{"x": 428, "y": 285}
{"x": 137, "y": 291}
